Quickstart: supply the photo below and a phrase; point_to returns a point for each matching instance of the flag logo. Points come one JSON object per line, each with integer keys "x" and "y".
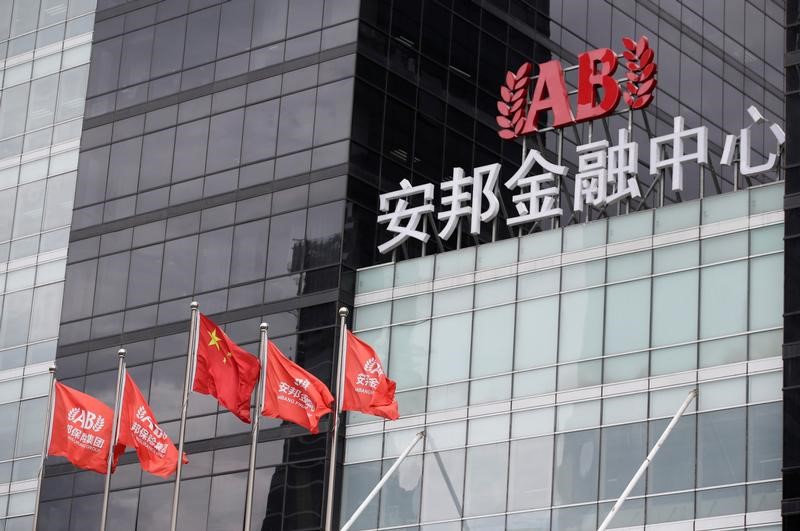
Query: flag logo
{"x": 155, "y": 429}
{"x": 373, "y": 366}
{"x": 366, "y": 387}
{"x": 293, "y": 394}
{"x": 86, "y": 419}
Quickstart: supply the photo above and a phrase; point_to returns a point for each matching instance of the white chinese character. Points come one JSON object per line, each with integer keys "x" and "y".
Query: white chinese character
{"x": 745, "y": 167}
{"x": 402, "y": 212}
{"x": 361, "y": 379}
{"x": 679, "y": 155}
{"x": 623, "y": 166}
{"x": 457, "y": 201}
{"x": 537, "y": 202}
{"x": 606, "y": 174}
{"x": 591, "y": 181}
{"x": 98, "y": 442}
{"x": 484, "y": 179}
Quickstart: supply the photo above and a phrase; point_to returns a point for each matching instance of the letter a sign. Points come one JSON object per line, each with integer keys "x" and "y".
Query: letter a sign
{"x": 598, "y": 91}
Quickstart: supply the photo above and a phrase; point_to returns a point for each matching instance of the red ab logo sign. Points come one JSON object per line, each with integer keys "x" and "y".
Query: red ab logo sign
{"x": 598, "y": 91}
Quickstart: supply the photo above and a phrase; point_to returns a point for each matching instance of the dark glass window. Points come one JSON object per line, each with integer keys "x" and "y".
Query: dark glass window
{"x": 304, "y": 16}
{"x": 260, "y": 131}
{"x": 193, "y": 506}
{"x": 334, "y": 108}
{"x": 179, "y": 262}
{"x": 213, "y": 259}
{"x": 297, "y": 122}
{"x": 286, "y": 237}
{"x": 157, "y": 151}
{"x": 190, "y": 150}
{"x": 123, "y": 170}
{"x": 225, "y": 504}
{"x": 234, "y": 27}
{"x": 104, "y": 72}
{"x": 249, "y": 251}
{"x": 112, "y": 273}
{"x": 155, "y": 502}
{"x": 201, "y": 37}
{"x": 92, "y": 170}
{"x": 136, "y": 51}
{"x": 166, "y": 387}
{"x": 79, "y": 290}
{"x": 168, "y": 43}
{"x": 324, "y": 234}
{"x": 269, "y": 21}
{"x": 145, "y": 274}
{"x": 224, "y": 140}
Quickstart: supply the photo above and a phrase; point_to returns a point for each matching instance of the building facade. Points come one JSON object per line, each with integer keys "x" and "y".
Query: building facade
{"x": 544, "y": 368}
{"x": 45, "y": 48}
{"x": 212, "y": 168}
{"x": 233, "y": 153}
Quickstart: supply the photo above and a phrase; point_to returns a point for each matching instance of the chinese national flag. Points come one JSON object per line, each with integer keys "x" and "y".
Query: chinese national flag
{"x": 224, "y": 370}
{"x": 139, "y": 429}
{"x": 291, "y": 393}
{"x": 81, "y": 429}
{"x": 366, "y": 387}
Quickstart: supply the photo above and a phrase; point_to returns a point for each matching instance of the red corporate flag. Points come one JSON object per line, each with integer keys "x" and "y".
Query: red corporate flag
{"x": 139, "y": 429}
{"x": 292, "y": 393}
{"x": 81, "y": 429}
{"x": 224, "y": 370}
{"x": 366, "y": 387}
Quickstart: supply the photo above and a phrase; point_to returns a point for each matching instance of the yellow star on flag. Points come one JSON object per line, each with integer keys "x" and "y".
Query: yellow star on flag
{"x": 226, "y": 356}
{"x": 214, "y": 339}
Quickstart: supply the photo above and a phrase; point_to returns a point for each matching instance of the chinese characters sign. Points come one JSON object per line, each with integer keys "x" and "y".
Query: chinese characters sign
{"x": 605, "y": 175}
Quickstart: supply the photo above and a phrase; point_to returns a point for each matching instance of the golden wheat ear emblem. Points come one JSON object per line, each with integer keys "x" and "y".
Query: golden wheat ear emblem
{"x": 638, "y": 90}
{"x": 512, "y": 105}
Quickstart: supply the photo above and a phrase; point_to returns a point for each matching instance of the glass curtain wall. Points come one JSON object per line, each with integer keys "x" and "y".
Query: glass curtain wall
{"x": 212, "y": 168}
{"x": 428, "y": 76}
{"x": 44, "y": 64}
{"x": 543, "y": 368}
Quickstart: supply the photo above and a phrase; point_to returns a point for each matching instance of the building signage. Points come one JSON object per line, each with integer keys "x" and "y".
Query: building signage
{"x": 606, "y": 173}
{"x": 598, "y": 90}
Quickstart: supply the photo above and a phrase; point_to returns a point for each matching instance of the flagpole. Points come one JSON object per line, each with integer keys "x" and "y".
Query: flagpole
{"x": 340, "y": 364}
{"x": 190, "y": 355}
{"x": 643, "y": 468}
{"x": 45, "y": 444}
{"x": 382, "y": 482}
{"x": 114, "y": 433}
{"x": 251, "y": 472}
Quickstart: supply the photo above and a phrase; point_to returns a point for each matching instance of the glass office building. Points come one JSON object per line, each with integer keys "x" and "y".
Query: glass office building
{"x": 45, "y": 47}
{"x": 213, "y": 167}
{"x": 544, "y": 368}
{"x": 233, "y": 153}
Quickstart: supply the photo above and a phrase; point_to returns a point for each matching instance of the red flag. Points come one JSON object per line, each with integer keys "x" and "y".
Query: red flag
{"x": 292, "y": 393}
{"x": 366, "y": 387}
{"x": 224, "y": 370}
{"x": 81, "y": 429}
{"x": 139, "y": 429}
